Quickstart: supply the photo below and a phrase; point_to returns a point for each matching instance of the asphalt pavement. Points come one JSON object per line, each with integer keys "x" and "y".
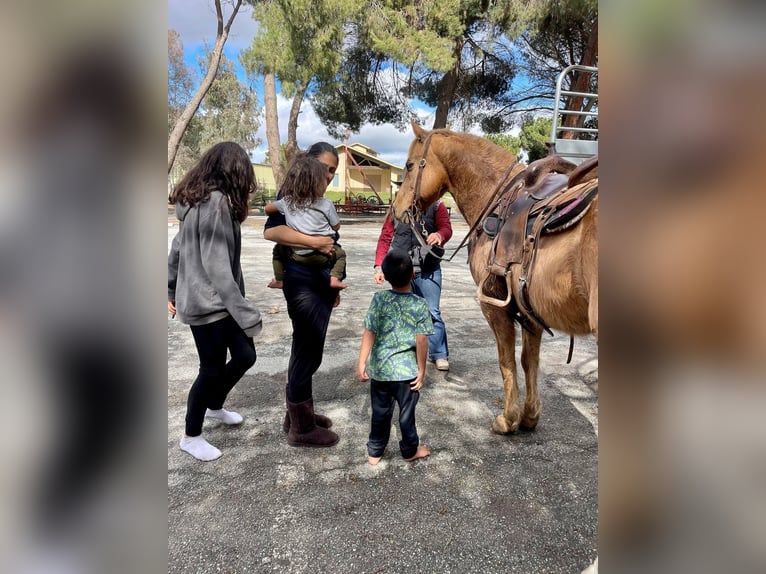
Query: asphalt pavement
{"x": 481, "y": 503}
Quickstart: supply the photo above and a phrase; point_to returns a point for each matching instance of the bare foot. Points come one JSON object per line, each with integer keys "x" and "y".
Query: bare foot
{"x": 274, "y": 284}
{"x": 336, "y": 283}
{"x": 337, "y": 300}
{"x": 373, "y": 460}
{"x": 422, "y": 452}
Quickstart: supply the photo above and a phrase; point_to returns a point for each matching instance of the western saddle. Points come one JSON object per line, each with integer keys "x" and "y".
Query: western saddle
{"x": 549, "y": 196}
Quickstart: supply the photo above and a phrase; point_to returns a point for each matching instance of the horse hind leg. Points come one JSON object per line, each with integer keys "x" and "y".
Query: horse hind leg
{"x": 530, "y": 362}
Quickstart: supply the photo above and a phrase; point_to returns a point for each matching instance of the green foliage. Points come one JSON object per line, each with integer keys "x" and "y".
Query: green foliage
{"x": 298, "y": 40}
{"x": 229, "y": 111}
{"x": 400, "y": 50}
{"x": 507, "y": 141}
{"x": 535, "y": 132}
{"x": 362, "y": 92}
{"x": 180, "y": 78}
{"x": 416, "y": 34}
{"x": 181, "y": 82}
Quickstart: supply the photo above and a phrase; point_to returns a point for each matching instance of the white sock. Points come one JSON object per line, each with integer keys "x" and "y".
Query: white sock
{"x": 227, "y": 417}
{"x": 199, "y": 448}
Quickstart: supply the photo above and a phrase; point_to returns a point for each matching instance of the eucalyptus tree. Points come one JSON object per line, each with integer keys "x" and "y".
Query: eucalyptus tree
{"x": 181, "y": 81}
{"x": 229, "y": 110}
{"x": 185, "y": 117}
{"x": 298, "y": 42}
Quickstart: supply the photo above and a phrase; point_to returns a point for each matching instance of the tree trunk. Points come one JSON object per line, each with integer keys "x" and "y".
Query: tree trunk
{"x": 581, "y": 83}
{"x": 177, "y": 134}
{"x": 447, "y": 88}
{"x": 272, "y": 127}
{"x": 291, "y": 147}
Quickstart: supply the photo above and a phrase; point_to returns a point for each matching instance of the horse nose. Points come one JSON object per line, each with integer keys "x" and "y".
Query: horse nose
{"x": 403, "y": 215}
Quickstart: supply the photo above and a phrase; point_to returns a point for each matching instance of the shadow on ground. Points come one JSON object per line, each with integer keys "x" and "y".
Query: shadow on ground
{"x": 524, "y": 503}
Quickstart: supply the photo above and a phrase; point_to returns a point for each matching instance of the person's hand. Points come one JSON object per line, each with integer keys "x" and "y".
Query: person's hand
{"x": 172, "y": 309}
{"x": 361, "y": 373}
{"x": 379, "y": 278}
{"x": 417, "y": 384}
{"x": 324, "y": 244}
{"x": 434, "y": 239}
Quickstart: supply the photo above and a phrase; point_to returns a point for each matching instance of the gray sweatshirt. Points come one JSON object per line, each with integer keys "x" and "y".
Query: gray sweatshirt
{"x": 204, "y": 273}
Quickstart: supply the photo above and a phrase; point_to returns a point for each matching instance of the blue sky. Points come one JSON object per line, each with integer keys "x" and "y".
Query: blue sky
{"x": 195, "y": 21}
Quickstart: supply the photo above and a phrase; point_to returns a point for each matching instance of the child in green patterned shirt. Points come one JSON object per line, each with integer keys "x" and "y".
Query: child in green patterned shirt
{"x": 395, "y": 340}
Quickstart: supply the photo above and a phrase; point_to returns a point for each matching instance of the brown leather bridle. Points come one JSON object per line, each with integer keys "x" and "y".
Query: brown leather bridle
{"x": 414, "y": 211}
{"x": 421, "y": 165}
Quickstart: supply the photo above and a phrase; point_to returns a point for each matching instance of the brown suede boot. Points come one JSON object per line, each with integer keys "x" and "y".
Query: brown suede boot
{"x": 303, "y": 428}
{"x": 320, "y": 420}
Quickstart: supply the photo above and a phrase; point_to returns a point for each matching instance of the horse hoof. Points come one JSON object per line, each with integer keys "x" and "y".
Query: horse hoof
{"x": 500, "y": 426}
{"x": 528, "y": 424}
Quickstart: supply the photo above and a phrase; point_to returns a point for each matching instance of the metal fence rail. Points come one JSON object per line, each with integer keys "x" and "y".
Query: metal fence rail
{"x": 574, "y": 149}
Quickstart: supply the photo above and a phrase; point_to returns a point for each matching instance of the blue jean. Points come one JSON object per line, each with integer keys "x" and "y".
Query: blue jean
{"x": 383, "y": 395}
{"x": 429, "y": 286}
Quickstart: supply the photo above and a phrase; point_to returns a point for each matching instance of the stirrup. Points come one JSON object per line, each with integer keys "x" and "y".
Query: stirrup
{"x": 492, "y": 300}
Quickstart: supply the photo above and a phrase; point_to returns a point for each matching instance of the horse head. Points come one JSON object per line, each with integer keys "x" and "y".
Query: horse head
{"x": 425, "y": 179}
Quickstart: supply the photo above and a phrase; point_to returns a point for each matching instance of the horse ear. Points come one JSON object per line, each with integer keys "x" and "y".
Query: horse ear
{"x": 420, "y": 133}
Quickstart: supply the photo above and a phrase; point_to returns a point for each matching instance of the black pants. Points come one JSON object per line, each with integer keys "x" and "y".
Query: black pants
{"x": 383, "y": 395}
{"x": 309, "y": 304}
{"x": 216, "y": 377}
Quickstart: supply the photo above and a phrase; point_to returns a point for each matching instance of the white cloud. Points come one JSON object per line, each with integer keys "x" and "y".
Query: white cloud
{"x": 195, "y": 21}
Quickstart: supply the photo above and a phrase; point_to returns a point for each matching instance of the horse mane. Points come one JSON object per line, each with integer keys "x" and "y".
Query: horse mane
{"x": 487, "y": 151}
{"x": 473, "y": 161}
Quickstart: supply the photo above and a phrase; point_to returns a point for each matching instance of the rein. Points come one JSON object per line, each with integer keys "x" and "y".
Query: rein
{"x": 413, "y": 210}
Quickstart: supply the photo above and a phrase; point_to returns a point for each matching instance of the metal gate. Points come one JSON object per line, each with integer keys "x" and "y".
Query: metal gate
{"x": 576, "y": 149}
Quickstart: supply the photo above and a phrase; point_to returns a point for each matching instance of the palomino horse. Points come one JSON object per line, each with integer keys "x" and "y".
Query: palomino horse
{"x": 564, "y": 292}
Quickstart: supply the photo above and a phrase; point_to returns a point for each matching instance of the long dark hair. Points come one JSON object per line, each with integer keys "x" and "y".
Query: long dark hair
{"x": 225, "y": 167}
{"x": 319, "y": 148}
{"x": 305, "y": 181}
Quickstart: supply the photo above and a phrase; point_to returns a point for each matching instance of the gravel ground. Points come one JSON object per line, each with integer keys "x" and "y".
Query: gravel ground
{"x": 483, "y": 503}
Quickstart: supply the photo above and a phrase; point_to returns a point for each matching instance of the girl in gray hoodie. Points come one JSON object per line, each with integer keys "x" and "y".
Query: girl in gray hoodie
{"x": 206, "y": 288}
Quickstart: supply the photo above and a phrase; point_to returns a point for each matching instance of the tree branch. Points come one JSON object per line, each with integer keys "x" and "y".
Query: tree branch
{"x": 174, "y": 139}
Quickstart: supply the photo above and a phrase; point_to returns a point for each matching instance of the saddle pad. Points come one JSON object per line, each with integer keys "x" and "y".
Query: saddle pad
{"x": 571, "y": 212}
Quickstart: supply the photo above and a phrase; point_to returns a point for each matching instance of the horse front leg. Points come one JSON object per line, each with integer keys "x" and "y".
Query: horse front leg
{"x": 505, "y": 336}
{"x": 530, "y": 362}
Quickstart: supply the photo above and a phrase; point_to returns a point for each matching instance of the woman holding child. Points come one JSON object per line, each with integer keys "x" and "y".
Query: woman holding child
{"x": 310, "y": 299}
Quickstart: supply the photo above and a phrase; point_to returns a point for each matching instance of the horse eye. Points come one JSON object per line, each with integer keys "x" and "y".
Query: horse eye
{"x": 408, "y": 166}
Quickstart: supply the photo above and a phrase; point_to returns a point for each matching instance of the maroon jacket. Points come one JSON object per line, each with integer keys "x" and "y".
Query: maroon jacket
{"x": 443, "y": 228}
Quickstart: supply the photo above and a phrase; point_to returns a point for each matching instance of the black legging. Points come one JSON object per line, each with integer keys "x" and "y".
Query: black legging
{"x": 309, "y": 304}
{"x": 216, "y": 377}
